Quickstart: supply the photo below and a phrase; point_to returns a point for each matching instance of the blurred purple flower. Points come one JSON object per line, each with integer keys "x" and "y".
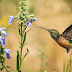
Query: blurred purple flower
{"x": 31, "y": 20}
{"x": 3, "y": 32}
{"x": 2, "y": 39}
{"x": 10, "y": 19}
{"x": 8, "y": 56}
{"x": 28, "y": 24}
{"x": 7, "y": 53}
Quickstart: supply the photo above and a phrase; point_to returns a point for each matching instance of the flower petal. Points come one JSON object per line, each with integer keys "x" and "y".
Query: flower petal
{"x": 2, "y": 43}
{"x": 2, "y": 28}
{"x": 34, "y": 19}
{"x": 0, "y": 37}
{"x": 3, "y": 38}
{"x": 8, "y": 56}
{"x": 31, "y": 20}
{"x": 6, "y": 50}
{"x": 3, "y": 32}
{"x": 10, "y": 19}
{"x": 7, "y": 53}
{"x": 10, "y": 16}
{"x": 28, "y": 24}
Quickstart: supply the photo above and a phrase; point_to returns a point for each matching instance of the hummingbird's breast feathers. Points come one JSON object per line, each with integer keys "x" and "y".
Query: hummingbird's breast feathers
{"x": 63, "y": 42}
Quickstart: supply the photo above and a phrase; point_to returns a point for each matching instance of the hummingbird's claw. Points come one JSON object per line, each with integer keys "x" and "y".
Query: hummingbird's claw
{"x": 67, "y": 50}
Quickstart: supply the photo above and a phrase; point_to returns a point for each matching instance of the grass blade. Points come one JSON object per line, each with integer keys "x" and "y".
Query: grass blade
{"x": 64, "y": 66}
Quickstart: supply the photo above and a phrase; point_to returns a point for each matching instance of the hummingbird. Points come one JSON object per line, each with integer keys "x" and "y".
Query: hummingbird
{"x": 64, "y": 39}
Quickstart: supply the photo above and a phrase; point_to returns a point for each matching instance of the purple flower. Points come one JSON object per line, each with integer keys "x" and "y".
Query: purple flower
{"x": 34, "y": 19}
{"x": 28, "y": 24}
{"x": 2, "y": 39}
{"x": 7, "y": 53}
{"x": 10, "y": 19}
{"x": 30, "y": 21}
{"x": 3, "y": 32}
{"x": 8, "y": 56}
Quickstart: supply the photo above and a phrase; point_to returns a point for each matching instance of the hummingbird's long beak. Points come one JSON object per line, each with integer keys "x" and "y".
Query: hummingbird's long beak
{"x": 44, "y": 28}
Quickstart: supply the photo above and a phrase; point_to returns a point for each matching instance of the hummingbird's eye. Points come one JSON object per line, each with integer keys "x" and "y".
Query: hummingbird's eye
{"x": 51, "y": 32}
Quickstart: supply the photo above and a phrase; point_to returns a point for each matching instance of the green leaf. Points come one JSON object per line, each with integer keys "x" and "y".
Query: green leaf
{"x": 31, "y": 15}
{"x": 25, "y": 4}
{"x": 41, "y": 57}
{"x": 12, "y": 71}
{"x": 1, "y": 50}
{"x": 19, "y": 29}
{"x": 29, "y": 29}
{"x": 25, "y": 44}
{"x": 1, "y": 68}
{"x": 70, "y": 66}
{"x": 20, "y": 2}
{"x": 8, "y": 66}
{"x": 19, "y": 42}
{"x": 24, "y": 38}
{"x": 20, "y": 71}
{"x": 45, "y": 57}
{"x": 17, "y": 60}
{"x": 25, "y": 26}
{"x": 44, "y": 63}
{"x": 25, "y": 54}
{"x": 27, "y": 50}
{"x": 40, "y": 52}
{"x": 64, "y": 67}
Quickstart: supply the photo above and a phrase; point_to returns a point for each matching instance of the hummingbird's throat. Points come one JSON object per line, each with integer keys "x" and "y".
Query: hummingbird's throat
{"x": 54, "y": 36}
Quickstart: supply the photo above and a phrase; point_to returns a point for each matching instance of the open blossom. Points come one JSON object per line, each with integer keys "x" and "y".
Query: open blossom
{"x": 34, "y": 19}
{"x": 28, "y": 24}
{"x": 30, "y": 21}
{"x": 7, "y": 53}
{"x": 2, "y": 39}
{"x": 10, "y": 19}
{"x": 3, "y": 32}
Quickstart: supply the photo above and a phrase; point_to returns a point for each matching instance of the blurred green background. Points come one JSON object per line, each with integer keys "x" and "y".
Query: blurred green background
{"x": 51, "y": 14}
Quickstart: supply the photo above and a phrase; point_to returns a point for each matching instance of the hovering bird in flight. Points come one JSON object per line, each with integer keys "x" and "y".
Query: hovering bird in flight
{"x": 64, "y": 39}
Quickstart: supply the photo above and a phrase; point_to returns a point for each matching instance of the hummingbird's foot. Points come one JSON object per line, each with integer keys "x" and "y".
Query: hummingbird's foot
{"x": 67, "y": 50}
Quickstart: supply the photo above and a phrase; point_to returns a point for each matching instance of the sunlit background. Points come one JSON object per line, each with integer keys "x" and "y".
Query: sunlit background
{"x": 51, "y": 14}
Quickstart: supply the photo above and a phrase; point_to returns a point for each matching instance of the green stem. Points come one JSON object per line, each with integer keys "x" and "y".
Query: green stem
{"x": 25, "y": 55}
{"x": 3, "y": 63}
{"x": 5, "y": 68}
{"x": 41, "y": 69}
{"x": 21, "y": 46}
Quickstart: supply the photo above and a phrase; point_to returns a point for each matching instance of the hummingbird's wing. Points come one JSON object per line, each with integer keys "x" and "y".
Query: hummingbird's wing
{"x": 68, "y": 33}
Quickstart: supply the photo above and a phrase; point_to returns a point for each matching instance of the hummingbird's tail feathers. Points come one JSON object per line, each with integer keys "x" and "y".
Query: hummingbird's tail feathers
{"x": 43, "y": 28}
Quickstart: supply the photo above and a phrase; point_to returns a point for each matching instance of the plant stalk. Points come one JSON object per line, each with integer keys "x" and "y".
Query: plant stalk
{"x": 21, "y": 47}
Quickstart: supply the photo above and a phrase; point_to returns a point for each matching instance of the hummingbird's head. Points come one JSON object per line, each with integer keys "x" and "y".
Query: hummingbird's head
{"x": 54, "y": 33}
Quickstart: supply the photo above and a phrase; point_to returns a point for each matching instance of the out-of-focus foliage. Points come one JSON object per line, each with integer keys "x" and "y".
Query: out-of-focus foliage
{"x": 69, "y": 3}
{"x": 42, "y": 56}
